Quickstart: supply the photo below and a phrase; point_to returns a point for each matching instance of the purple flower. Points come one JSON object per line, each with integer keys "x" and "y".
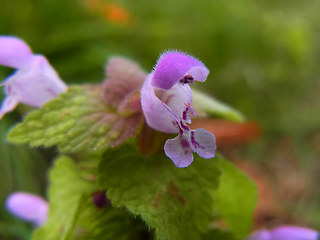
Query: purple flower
{"x": 34, "y": 82}
{"x": 28, "y": 207}
{"x": 285, "y": 233}
{"x": 166, "y": 100}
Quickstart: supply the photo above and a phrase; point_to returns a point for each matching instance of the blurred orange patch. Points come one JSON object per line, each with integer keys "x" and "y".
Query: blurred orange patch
{"x": 112, "y": 12}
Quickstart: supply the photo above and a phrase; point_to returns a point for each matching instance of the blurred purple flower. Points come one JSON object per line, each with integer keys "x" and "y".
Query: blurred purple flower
{"x": 285, "y": 233}
{"x": 166, "y": 100}
{"x": 28, "y": 207}
{"x": 34, "y": 82}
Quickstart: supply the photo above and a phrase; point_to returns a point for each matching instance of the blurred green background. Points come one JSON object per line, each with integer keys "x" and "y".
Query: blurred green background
{"x": 263, "y": 57}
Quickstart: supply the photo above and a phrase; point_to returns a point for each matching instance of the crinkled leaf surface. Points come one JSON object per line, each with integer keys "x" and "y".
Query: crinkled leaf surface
{"x": 203, "y": 103}
{"x": 76, "y": 120}
{"x": 236, "y": 198}
{"x": 176, "y": 202}
{"x": 72, "y": 213}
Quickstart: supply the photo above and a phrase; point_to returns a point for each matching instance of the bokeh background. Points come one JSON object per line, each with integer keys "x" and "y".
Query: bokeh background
{"x": 264, "y": 59}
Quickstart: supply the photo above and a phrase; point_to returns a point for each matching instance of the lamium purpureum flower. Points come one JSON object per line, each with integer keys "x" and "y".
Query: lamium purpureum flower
{"x": 34, "y": 82}
{"x": 285, "y": 233}
{"x": 28, "y": 207}
{"x": 166, "y": 101}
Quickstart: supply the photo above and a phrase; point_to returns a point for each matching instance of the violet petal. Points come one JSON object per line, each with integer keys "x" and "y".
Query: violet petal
{"x": 176, "y": 98}
{"x": 28, "y": 207}
{"x": 203, "y": 143}
{"x": 293, "y": 233}
{"x": 14, "y": 52}
{"x": 36, "y": 84}
{"x": 8, "y": 104}
{"x": 158, "y": 115}
{"x": 179, "y": 151}
{"x": 174, "y": 66}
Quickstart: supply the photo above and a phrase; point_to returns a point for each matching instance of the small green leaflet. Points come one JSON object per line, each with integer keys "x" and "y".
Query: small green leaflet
{"x": 203, "y": 103}
{"x": 72, "y": 213}
{"x": 177, "y": 203}
{"x": 76, "y": 120}
{"x": 236, "y": 198}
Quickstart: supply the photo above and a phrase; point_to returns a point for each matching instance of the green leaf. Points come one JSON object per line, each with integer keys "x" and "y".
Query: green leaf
{"x": 218, "y": 234}
{"x": 213, "y": 107}
{"x": 77, "y": 120}
{"x": 72, "y": 213}
{"x": 65, "y": 191}
{"x": 236, "y": 198}
{"x": 70, "y": 228}
{"x": 176, "y": 202}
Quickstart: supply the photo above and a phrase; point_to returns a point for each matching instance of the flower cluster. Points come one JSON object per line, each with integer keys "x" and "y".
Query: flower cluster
{"x": 166, "y": 100}
{"x": 166, "y": 97}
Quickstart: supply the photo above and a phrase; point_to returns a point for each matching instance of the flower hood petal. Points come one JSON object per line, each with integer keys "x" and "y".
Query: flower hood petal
{"x": 14, "y": 52}
{"x": 173, "y": 67}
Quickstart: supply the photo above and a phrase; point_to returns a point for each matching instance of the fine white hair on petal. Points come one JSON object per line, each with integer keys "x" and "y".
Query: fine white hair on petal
{"x": 28, "y": 207}
{"x": 173, "y": 66}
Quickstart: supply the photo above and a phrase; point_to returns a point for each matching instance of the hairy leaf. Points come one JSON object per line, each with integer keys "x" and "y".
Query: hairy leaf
{"x": 76, "y": 120}
{"x": 176, "y": 202}
{"x": 72, "y": 212}
{"x": 88, "y": 117}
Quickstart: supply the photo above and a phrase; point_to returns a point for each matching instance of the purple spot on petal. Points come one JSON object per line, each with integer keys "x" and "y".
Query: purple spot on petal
{"x": 184, "y": 115}
{"x": 185, "y": 127}
{"x": 187, "y": 79}
{"x": 184, "y": 143}
{"x": 194, "y": 142}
